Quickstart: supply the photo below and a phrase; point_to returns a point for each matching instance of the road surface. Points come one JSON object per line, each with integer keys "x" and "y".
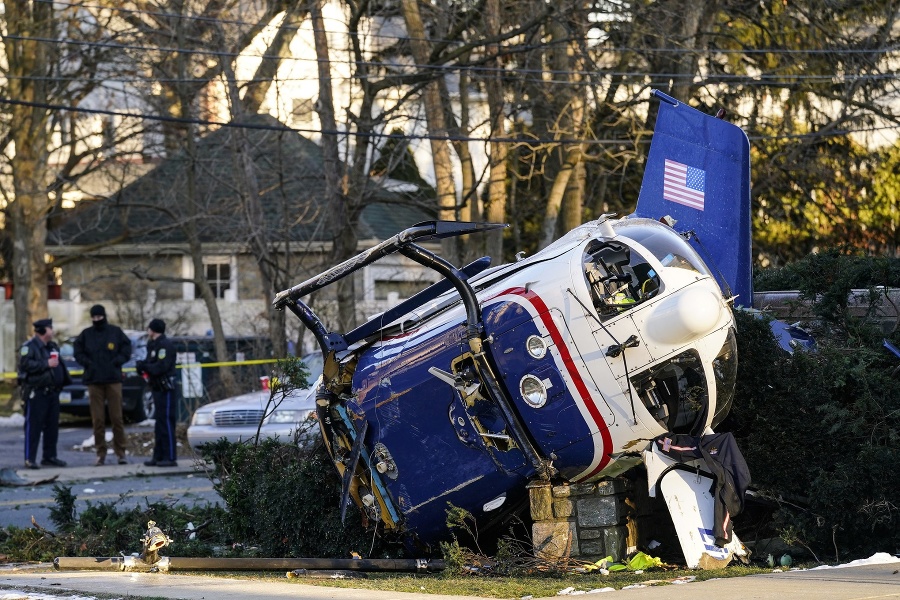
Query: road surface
{"x": 130, "y": 484}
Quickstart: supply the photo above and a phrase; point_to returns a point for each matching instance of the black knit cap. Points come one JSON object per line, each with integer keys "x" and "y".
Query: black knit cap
{"x": 157, "y": 325}
{"x": 97, "y": 310}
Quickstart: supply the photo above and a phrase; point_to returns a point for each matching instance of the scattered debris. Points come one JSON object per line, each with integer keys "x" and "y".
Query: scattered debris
{"x": 325, "y": 574}
{"x": 22, "y": 595}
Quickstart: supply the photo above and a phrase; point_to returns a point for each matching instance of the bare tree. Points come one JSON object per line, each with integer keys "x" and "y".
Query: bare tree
{"x": 191, "y": 44}
{"x": 55, "y": 59}
{"x": 434, "y": 113}
{"x": 497, "y": 100}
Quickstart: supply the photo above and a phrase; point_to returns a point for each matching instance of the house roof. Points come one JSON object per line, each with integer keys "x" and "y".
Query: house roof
{"x": 289, "y": 170}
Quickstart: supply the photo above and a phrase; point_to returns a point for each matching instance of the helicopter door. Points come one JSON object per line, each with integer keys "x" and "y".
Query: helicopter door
{"x": 613, "y": 335}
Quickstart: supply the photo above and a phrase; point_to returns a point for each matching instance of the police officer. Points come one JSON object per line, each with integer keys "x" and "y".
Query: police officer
{"x": 160, "y": 367}
{"x": 44, "y": 375}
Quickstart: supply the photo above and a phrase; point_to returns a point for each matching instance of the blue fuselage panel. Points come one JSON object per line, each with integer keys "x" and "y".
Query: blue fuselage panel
{"x": 440, "y": 457}
{"x": 558, "y": 428}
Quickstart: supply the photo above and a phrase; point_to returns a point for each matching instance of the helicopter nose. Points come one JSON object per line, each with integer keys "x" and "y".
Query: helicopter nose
{"x": 686, "y": 315}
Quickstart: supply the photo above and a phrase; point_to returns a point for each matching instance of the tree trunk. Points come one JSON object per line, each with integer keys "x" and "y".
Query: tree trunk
{"x": 29, "y": 273}
{"x": 468, "y": 210}
{"x": 679, "y": 26}
{"x": 190, "y": 228}
{"x": 434, "y": 114}
{"x": 257, "y": 228}
{"x": 557, "y": 192}
{"x": 573, "y": 203}
{"x": 29, "y": 64}
{"x": 496, "y": 200}
{"x": 275, "y": 54}
{"x": 343, "y": 226}
{"x": 568, "y": 109}
{"x": 212, "y": 308}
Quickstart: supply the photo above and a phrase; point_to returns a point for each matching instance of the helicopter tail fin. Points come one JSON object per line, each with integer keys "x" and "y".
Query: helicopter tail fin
{"x": 698, "y": 173}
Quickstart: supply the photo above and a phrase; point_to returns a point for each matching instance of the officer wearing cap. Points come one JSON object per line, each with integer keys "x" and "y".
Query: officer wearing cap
{"x": 160, "y": 367}
{"x": 43, "y": 376}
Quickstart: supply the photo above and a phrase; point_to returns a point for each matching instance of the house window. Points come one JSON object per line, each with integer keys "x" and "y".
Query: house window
{"x": 403, "y": 289}
{"x": 220, "y": 273}
{"x": 218, "y": 276}
{"x": 390, "y": 282}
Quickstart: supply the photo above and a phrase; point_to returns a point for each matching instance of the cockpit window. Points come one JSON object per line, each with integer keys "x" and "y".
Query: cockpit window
{"x": 680, "y": 262}
{"x": 670, "y": 248}
{"x": 618, "y": 276}
{"x": 725, "y": 371}
{"x": 675, "y": 393}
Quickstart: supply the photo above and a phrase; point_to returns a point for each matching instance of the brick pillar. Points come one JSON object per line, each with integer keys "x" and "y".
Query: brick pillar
{"x": 587, "y": 521}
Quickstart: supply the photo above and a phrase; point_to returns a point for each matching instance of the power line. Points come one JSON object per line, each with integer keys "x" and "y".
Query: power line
{"x": 599, "y": 49}
{"x": 443, "y": 41}
{"x": 285, "y": 128}
{"x": 763, "y": 79}
{"x": 470, "y": 69}
{"x": 413, "y": 136}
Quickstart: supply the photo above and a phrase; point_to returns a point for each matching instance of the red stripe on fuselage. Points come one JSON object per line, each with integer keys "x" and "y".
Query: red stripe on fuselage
{"x": 574, "y": 375}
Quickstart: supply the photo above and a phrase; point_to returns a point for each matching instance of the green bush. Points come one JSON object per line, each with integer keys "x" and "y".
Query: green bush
{"x": 831, "y": 269}
{"x": 107, "y": 529}
{"x": 282, "y": 496}
{"x": 21, "y": 545}
{"x": 821, "y": 430}
{"x": 283, "y": 499}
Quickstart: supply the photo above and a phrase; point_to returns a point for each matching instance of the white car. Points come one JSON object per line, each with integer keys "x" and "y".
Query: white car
{"x": 238, "y": 418}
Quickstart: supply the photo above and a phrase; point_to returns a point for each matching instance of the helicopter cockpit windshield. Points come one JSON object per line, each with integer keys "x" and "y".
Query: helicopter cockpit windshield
{"x": 666, "y": 245}
{"x": 618, "y": 276}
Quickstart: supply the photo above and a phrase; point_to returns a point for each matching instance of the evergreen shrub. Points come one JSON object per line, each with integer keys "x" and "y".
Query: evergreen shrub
{"x": 109, "y": 529}
{"x": 283, "y": 499}
{"x": 821, "y": 430}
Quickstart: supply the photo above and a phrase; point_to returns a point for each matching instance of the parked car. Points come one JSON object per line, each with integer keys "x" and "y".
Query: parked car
{"x": 238, "y": 418}
{"x": 137, "y": 403}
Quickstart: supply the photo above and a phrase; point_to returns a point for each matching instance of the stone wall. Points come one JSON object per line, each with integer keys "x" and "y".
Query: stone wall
{"x": 587, "y": 521}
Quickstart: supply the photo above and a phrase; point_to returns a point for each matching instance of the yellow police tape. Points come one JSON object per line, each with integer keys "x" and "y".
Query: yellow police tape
{"x": 193, "y": 365}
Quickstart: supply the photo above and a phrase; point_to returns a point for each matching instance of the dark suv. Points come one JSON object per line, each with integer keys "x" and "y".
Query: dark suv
{"x": 137, "y": 403}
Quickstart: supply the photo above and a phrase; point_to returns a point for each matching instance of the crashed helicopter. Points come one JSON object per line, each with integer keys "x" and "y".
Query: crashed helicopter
{"x": 564, "y": 365}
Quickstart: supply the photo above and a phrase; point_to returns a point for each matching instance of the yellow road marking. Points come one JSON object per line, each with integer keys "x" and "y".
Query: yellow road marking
{"x": 231, "y": 363}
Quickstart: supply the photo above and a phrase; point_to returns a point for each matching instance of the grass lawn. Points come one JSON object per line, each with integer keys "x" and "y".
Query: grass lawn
{"x": 503, "y": 587}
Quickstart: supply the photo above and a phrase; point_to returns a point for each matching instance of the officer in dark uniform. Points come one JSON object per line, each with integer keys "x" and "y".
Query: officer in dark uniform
{"x": 160, "y": 367}
{"x": 43, "y": 376}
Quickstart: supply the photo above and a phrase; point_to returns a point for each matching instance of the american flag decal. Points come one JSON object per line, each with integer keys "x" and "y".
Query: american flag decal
{"x": 683, "y": 184}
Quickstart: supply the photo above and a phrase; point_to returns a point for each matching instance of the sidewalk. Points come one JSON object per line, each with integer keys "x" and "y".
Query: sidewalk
{"x": 135, "y": 467}
{"x": 880, "y": 581}
{"x": 191, "y": 587}
{"x": 76, "y": 448}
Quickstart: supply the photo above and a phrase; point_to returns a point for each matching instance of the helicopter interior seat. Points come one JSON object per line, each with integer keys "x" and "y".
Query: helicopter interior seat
{"x": 611, "y": 278}
{"x": 615, "y": 259}
{"x": 647, "y": 281}
{"x": 614, "y": 255}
